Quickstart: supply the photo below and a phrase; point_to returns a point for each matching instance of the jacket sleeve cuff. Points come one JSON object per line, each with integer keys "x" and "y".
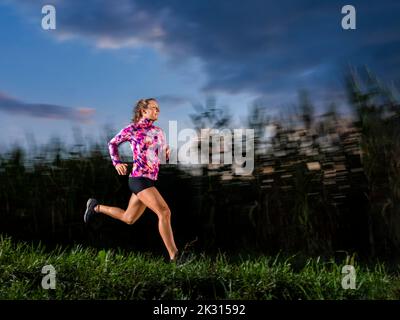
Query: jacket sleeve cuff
{"x": 115, "y": 162}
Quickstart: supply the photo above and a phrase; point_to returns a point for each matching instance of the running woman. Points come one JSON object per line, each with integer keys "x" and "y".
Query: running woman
{"x": 149, "y": 146}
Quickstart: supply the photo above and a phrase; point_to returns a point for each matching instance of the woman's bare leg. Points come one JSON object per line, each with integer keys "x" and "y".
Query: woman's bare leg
{"x": 151, "y": 198}
{"x": 129, "y": 216}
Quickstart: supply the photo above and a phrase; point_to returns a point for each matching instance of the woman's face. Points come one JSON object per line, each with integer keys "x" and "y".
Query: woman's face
{"x": 152, "y": 111}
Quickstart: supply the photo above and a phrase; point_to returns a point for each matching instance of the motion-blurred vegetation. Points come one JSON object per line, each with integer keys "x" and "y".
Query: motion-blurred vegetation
{"x": 320, "y": 185}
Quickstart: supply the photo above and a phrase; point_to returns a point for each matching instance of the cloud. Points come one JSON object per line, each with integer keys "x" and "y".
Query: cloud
{"x": 255, "y": 46}
{"x": 42, "y": 110}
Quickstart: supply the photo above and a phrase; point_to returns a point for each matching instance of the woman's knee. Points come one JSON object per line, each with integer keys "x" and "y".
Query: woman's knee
{"x": 129, "y": 220}
{"x": 128, "y": 217}
{"x": 164, "y": 213}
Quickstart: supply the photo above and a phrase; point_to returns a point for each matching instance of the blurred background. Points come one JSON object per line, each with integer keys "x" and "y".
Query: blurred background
{"x": 323, "y": 103}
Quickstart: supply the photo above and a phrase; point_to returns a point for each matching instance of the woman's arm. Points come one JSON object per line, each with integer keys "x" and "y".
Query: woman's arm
{"x": 122, "y": 136}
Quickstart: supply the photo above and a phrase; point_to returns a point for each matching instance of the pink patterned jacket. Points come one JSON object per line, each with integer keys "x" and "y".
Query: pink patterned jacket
{"x": 148, "y": 145}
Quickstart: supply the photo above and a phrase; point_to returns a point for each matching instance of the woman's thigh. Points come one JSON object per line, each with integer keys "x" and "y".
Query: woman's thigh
{"x": 153, "y": 199}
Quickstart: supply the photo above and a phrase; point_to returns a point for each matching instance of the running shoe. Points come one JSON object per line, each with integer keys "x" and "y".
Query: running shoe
{"x": 90, "y": 205}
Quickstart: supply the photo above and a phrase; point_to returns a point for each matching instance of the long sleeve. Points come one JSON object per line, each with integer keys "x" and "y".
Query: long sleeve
{"x": 164, "y": 145}
{"x": 124, "y": 135}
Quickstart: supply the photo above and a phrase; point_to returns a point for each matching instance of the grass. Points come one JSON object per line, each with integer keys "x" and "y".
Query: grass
{"x": 87, "y": 273}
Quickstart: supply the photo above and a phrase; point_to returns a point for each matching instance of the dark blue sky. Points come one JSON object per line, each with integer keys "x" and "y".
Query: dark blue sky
{"x": 104, "y": 55}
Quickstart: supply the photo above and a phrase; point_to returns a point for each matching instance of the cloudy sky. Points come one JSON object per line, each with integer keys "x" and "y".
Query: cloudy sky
{"x": 105, "y": 55}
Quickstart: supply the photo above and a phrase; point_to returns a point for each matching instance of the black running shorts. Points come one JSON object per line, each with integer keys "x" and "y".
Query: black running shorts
{"x": 137, "y": 184}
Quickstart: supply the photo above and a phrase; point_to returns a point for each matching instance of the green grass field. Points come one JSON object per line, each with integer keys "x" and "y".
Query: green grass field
{"x": 86, "y": 273}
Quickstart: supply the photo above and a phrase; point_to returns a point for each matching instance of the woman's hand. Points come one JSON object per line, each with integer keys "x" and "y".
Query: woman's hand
{"x": 122, "y": 168}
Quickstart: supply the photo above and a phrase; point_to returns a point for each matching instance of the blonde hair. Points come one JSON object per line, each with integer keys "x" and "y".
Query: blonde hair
{"x": 140, "y": 106}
